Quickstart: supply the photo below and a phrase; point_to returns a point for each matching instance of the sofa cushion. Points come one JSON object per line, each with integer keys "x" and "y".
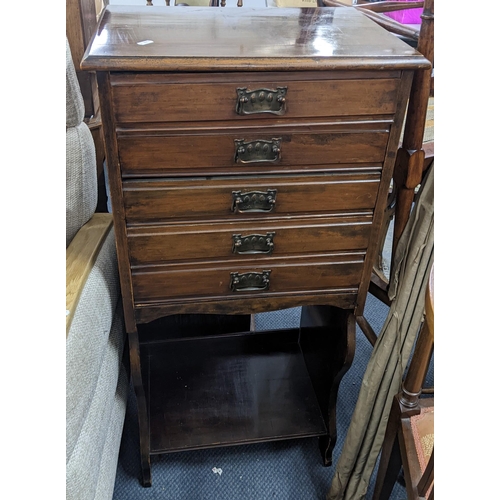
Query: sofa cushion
{"x": 84, "y": 462}
{"x": 109, "y": 460}
{"x": 75, "y": 109}
{"x": 87, "y": 339}
{"x": 81, "y": 179}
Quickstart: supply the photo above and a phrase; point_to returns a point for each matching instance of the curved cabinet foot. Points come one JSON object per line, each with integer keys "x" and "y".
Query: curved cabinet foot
{"x": 326, "y": 445}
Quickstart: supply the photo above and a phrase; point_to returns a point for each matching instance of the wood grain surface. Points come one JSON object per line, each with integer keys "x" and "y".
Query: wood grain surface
{"x": 145, "y": 154}
{"x": 195, "y": 199}
{"x": 153, "y": 97}
{"x": 200, "y": 39}
{"x": 326, "y": 273}
{"x": 313, "y": 235}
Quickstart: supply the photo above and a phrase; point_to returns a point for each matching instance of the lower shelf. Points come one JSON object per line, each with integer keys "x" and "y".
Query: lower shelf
{"x": 228, "y": 390}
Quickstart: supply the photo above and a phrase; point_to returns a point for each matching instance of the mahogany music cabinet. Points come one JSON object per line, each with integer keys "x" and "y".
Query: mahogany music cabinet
{"x": 249, "y": 154}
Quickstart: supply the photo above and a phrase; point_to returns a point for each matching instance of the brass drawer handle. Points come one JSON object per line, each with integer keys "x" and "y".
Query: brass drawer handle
{"x": 249, "y": 102}
{"x": 250, "y": 282}
{"x": 253, "y": 243}
{"x": 254, "y": 201}
{"x": 257, "y": 151}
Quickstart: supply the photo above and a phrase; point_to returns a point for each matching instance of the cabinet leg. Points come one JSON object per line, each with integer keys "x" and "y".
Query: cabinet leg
{"x": 146, "y": 471}
{"x": 142, "y": 411}
{"x": 327, "y": 339}
{"x": 326, "y": 445}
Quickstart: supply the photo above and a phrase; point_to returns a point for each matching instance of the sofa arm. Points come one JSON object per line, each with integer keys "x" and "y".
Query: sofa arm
{"x": 81, "y": 255}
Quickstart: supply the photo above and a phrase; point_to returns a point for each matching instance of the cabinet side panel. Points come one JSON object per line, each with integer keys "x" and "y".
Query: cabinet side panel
{"x": 115, "y": 186}
{"x": 387, "y": 172}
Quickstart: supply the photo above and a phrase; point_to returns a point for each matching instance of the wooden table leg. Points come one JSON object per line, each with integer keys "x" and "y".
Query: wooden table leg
{"x": 135, "y": 369}
{"x": 327, "y": 339}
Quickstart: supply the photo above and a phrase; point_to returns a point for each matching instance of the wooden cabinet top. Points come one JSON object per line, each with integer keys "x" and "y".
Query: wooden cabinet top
{"x": 146, "y": 38}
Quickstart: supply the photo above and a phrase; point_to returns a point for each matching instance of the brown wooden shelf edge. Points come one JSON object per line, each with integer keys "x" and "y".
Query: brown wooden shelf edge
{"x": 144, "y": 313}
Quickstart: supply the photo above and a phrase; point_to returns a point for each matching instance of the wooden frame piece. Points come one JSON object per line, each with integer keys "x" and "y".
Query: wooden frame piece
{"x": 81, "y": 256}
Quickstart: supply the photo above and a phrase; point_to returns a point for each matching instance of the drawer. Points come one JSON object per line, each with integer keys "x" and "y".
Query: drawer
{"x": 162, "y": 97}
{"x": 237, "y": 198}
{"x": 247, "y": 240}
{"x": 168, "y": 152}
{"x": 240, "y": 279}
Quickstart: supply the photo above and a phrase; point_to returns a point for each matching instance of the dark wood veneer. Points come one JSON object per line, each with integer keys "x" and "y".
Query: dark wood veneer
{"x": 212, "y": 280}
{"x": 229, "y": 390}
{"x": 198, "y": 40}
{"x": 155, "y": 200}
{"x": 158, "y": 99}
{"x": 167, "y": 243}
{"x": 144, "y": 154}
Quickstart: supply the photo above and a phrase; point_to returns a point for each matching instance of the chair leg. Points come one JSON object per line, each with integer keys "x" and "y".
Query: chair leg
{"x": 390, "y": 459}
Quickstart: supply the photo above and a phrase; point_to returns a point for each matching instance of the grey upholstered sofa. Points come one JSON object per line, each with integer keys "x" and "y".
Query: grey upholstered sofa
{"x": 96, "y": 380}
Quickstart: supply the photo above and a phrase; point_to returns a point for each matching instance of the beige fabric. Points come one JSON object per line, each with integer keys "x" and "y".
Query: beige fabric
{"x": 422, "y": 429}
{"x": 84, "y": 462}
{"x": 109, "y": 459}
{"x": 422, "y": 426}
{"x": 81, "y": 179}
{"x": 75, "y": 109}
{"x": 383, "y": 376}
{"x": 88, "y": 337}
{"x": 81, "y": 174}
{"x": 417, "y": 237}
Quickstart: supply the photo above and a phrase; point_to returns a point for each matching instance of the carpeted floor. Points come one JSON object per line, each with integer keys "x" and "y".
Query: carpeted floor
{"x": 279, "y": 471}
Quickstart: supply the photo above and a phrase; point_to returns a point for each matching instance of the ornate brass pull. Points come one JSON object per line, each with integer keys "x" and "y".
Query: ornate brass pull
{"x": 257, "y": 151}
{"x": 250, "y": 282}
{"x": 254, "y": 201}
{"x": 249, "y": 102}
{"x": 253, "y": 243}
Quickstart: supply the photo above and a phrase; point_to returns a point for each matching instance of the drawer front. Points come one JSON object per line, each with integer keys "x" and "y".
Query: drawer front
{"x": 278, "y": 276}
{"x": 247, "y": 240}
{"x": 239, "y": 197}
{"x": 153, "y": 98}
{"x": 173, "y": 152}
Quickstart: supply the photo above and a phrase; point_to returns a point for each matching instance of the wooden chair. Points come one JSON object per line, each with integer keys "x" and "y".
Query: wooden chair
{"x": 414, "y": 155}
{"x": 409, "y": 437}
